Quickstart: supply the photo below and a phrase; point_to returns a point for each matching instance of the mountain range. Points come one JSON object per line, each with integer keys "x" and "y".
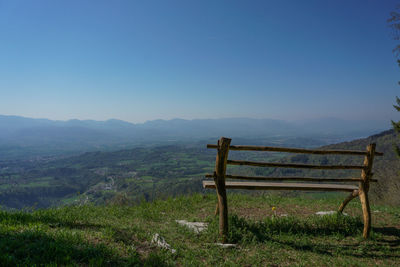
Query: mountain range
{"x": 25, "y": 137}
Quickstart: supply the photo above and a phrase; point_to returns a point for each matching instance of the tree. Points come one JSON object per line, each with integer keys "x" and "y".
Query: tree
{"x": 394, "y": 23}
{"x": 396, "y": 125}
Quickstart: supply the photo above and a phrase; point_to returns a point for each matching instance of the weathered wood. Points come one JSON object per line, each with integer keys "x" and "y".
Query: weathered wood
{"x": 296, "y": 150}
{"x": 366, "y": 173}
{"x": 283, "y": 186}
{"x": 364, "y": 188}
{"x": 292, "y": 165}
{"x": 221, "y": 185}
{"x": 366, "y": 213}
{"x": 291, "y": 178}
{"x": 352, "y": 195}
{"x": 220, "y": 170}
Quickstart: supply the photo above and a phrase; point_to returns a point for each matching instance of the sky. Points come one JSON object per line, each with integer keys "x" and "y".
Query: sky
{"x": 146, "y": 60}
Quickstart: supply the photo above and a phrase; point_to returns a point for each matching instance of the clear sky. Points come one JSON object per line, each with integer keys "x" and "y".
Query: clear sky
{"x": 145, "y": 60}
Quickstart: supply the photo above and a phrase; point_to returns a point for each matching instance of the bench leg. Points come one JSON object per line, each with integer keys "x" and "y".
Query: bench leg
{"x": 219, "y": 179}
{"x": 366, "y": 213}
{"x": 223, "y": 213}
{"x": 347, "y": 200}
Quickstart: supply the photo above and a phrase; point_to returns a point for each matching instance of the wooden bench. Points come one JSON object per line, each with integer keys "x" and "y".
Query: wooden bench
{"x": 302, "y": 183}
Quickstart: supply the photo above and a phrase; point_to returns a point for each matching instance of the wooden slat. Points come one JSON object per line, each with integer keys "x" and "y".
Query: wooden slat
{"x": 292, "y": 178}
{"x": 282, "y": 186}
{"x": 297, "y": 150}
{"x": 292, "y": 165}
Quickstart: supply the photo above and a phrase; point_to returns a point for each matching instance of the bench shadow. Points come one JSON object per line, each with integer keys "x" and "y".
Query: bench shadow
{"x": 388, "y": 231}
{"x": 358, "y": 250}
{"x": 311, "y": 238}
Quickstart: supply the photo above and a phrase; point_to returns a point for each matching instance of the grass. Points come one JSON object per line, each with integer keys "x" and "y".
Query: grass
{"x": 121, "y": 235}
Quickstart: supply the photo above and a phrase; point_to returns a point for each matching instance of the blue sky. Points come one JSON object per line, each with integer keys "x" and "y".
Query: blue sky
{"x": 145, "y": 60}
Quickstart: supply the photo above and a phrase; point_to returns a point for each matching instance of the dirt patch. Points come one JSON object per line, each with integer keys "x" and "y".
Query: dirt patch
{"x": 144, "y": 249}
{"x": 257, "y": 213}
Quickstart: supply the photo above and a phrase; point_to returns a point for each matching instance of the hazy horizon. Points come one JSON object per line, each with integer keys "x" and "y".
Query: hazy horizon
{"x": 137, "y": 62}
{"x": 380, "y": 122}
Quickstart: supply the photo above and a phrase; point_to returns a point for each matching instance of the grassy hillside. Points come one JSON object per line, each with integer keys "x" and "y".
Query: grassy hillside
{"x": 121, "y": 235}
{"x": 386, "y": 168}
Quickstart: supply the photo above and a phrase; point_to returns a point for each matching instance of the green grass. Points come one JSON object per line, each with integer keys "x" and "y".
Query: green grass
{"x": 121, "y": 235}
{"x": 71, "y": 199}
{"x": 36, "y": 184}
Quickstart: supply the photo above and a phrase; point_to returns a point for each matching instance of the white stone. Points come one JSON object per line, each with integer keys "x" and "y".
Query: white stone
{"x": 160, "y": 242}
{"x": 226, "y": 245}
{"x": 326, "y": 212}
{"x": 197, "y": 227}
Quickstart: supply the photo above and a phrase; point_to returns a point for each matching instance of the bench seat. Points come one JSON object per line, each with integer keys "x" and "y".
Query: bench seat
{"x": 283, "y": 186}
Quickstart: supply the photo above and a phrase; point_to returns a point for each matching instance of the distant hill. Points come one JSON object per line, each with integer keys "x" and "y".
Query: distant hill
{"x": 26, "y": 137}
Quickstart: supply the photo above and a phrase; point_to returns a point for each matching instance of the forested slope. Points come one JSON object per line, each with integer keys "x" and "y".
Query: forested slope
{"x": 386, "y": 168}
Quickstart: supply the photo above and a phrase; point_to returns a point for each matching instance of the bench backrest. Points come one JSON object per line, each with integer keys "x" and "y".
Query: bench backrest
{"x": 223, "y": 147}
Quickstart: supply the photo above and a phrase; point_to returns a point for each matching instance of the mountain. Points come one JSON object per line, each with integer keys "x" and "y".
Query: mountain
{"x": 27, "y": 137}
{"x": 346, "y": 128}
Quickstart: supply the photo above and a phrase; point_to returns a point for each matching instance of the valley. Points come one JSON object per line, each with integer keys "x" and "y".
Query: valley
{"x": 140, "y": 174}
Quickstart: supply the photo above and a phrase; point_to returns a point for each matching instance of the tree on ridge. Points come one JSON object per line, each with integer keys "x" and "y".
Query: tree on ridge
{"x": 394, "y": 23}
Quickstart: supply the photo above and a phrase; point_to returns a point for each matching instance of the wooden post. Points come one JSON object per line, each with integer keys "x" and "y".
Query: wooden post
{"x": 217, "y": 205}
{"x": 219, "y": 179}
{"x": 353, "y": 194}
{"x": 364, "y": 187}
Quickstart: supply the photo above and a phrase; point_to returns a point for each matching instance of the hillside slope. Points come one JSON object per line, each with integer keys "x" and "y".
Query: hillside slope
{"x": 268, "y": 231}
{"x": 386, "y": 168}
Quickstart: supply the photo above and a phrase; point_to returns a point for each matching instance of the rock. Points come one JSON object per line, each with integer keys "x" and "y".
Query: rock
{"x": 226, "y": 245}
{"x": 160, "y": 242}
{"x": 197, "y": 227}
{"x": 325, "y": 212}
